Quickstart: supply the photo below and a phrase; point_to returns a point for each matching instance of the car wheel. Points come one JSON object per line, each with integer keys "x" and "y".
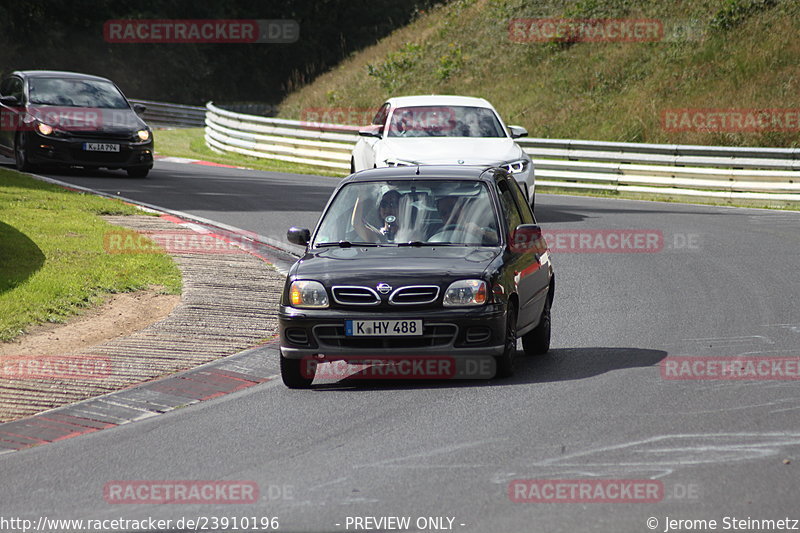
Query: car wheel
{"x": 537, "y": 340}
{"x": 292, "y": 373}
{"x": 21, "y": 155}
{"x": 138, "y": 172}
{"x": 533, "y": 201}
{"x": 505, "y": 362}
{"x": 352, "y": 166}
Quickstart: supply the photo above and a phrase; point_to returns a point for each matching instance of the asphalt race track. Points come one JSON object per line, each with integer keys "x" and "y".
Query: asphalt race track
{"x": 722, "y": 282}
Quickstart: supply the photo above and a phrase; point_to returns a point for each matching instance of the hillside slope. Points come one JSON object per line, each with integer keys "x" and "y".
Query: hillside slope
{"x": 714, "y": 54}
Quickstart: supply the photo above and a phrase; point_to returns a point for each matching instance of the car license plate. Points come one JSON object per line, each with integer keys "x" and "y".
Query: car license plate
{"x": 100, "y": 147}
{"x": 382, "y": 328}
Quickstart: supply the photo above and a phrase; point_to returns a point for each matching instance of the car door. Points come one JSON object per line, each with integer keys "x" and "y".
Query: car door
{"x": 364, "y": 152}
{"x": 530, "y": 279}
{"x": 10, "y": 114}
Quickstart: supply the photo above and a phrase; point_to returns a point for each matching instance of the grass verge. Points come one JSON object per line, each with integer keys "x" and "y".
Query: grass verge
{"x": 190, "y": 143}
{"x": 52, "y": 259}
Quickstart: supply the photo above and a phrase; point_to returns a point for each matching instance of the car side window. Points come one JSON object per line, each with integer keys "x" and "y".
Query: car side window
{"x": 381, "y": 115}
{"x": 524, "y": 206}
{"x": 12, "y": 87}
{"x": 509, "y": 206}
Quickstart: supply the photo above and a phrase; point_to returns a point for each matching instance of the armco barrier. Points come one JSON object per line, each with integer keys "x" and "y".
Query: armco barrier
{"x": 161, "y": 114}
{"x": 673, "y": 169}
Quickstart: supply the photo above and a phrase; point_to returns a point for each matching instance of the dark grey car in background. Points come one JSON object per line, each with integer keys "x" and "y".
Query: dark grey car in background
{"x": 68, "y": 119}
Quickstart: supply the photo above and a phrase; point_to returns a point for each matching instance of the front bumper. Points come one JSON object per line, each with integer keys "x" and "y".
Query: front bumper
{"x": 68, "y": 151}
{"x": 452, "y": 332}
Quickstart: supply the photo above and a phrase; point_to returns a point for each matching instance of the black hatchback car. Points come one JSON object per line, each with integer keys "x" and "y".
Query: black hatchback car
{"x": 418, "y": 262}
{"x": 68, "y": 119}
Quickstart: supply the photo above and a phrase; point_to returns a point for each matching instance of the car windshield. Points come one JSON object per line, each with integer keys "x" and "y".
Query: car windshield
{"x": 75, "y": 93}
{"x": 445, "y": 121}
{"x": 416, "y": 212}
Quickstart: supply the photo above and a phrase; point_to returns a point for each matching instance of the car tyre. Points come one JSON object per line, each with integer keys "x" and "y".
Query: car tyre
{"x": 21, "y": 154}
{"x": 352, "y": 165}
{"x": 537, "y": 340}
{"x": 138, "y": 172}
{"x": 505, "y": 362}
{"x": 533, "y": 202}
{"x": 292, "y": 374}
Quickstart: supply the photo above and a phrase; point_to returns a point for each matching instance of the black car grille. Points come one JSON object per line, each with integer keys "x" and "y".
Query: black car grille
{"x": 100, "y": 157}
{"x": 409, "y": 295}
{"x": 349, "y": 295}
{"x": 414, "y": 295}
{"x": 432, "y": 335}
{"x": 103, "y": 136}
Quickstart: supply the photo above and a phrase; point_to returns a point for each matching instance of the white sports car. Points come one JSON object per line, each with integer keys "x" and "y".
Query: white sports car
{"x": 436, "y": 130}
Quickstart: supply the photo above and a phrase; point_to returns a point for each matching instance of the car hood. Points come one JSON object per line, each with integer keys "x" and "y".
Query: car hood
{"x": 79, "y": 119}
{"x": 393, "y": 265}
{"x": 453, "y": 150}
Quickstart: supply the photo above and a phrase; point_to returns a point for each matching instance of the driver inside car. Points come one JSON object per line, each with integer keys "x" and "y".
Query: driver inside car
{"x": 388, "y": 209}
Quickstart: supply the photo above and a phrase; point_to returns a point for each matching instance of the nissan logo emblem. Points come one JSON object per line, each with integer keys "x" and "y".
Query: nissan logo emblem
{"x": 384, "y": 288}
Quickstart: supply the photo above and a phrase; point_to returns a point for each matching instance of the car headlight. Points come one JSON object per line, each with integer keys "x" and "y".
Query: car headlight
{"x": 308, "y": 294}
{"x": 516, "y": 167}
{"x": 466, "y": 292}
{"x": 399, "y": 163}
{"x": 44, "y": 129}
{"x": 143, "y": 135}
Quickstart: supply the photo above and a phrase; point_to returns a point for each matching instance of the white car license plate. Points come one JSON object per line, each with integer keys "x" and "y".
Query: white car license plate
{"x": 100, "y": 147}
{"x": 382, "y": 328}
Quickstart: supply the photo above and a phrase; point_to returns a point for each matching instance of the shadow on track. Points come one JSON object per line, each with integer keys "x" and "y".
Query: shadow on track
{"x": 560, "y": 364}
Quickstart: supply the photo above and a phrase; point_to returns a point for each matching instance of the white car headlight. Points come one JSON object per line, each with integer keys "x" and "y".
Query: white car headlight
{"x": 307, "y": 294}
{"x": 143, "y": 135}
{"x": 516, "y": 167}
{"x": 466, "y": 292}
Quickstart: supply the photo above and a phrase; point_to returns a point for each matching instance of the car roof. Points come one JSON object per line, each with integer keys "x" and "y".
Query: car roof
{"x": 57, "y": 74}
{"x": 438, "y": 99}
{"x": 444, "y": 172}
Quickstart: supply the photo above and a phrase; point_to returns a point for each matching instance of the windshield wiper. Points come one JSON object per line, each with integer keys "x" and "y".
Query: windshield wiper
{"x": 343, "y": 244}
{"x": 423, "y": 243}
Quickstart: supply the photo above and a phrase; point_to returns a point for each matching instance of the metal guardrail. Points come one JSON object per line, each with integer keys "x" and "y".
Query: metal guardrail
{"x": 673, "y": 169}
{"x": 160, "y": 114}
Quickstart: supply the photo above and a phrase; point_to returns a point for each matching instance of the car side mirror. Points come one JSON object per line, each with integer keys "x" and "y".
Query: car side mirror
{"x": 139, "y": 108}
{"x": 370, "y": 132}
{"x": 517, "y": 132}
{"x": 528, "y": 238}
{"x": 299, "y": 236}
{"x": 9, "y": 100}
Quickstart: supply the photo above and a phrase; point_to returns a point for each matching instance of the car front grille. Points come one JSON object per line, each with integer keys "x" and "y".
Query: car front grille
{"x": 432, "y": 335}
{"x": 414, "y": 295}
{"x": 101, "y": 157}
{"x": 352, "y": 295}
